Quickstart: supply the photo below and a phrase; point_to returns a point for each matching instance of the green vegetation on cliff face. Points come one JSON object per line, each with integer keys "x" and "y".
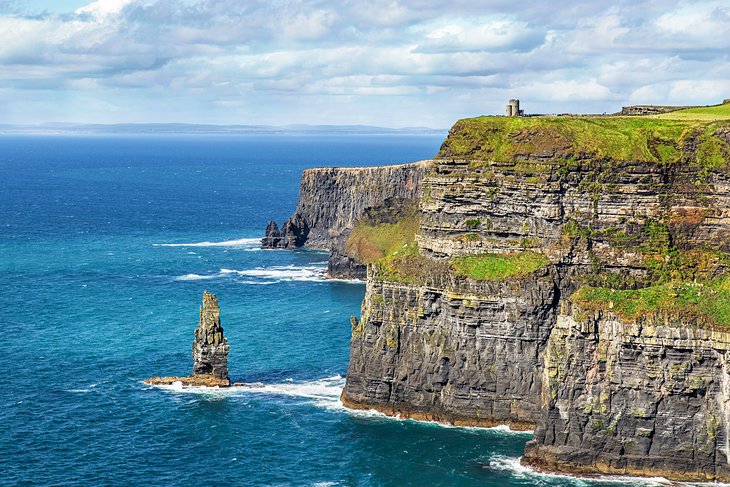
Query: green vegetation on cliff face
{"x": 496, "y": 267}
{"x": 563, "y": 141}
{"x": 407, "y": 266}
{"x": 705, "y": 303}
{"x": 369, "y": 243}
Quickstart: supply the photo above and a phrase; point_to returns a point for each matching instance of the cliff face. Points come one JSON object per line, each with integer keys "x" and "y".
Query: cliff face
{"x": 567, "y": 274}
{"x": 331, "y": 200}
{"x": 646, "y": 398}
{"x": 456, "y": 350}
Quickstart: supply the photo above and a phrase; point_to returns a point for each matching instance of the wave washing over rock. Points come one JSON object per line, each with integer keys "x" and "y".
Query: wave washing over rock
{"x": 567, "y": 275}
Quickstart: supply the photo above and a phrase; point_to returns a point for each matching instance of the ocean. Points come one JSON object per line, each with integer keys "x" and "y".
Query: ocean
{"x": 106, "y": 245}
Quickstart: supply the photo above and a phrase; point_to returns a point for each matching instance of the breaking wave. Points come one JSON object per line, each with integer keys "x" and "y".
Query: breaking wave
{"x": 323, "y": 392}
{"x": 513, "y": 466}
{"x": 264, "y": 275}
{"x": 241, "y": 242}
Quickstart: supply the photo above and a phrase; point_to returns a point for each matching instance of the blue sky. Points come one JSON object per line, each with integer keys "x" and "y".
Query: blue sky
{"x": 383, "y": 62}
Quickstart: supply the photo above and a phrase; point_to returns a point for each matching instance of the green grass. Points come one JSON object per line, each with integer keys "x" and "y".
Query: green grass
{"x": 563, "y": 141}
{"x": 496, "y": 267}
{"x": 404, "y": 265}
{"x": 706, "y": 303}
{"x": 717, "y": 112}
{"x": 368, "y": 243}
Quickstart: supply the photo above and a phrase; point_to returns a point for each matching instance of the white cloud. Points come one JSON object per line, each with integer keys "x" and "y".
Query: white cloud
{"x": 325, "y": 62}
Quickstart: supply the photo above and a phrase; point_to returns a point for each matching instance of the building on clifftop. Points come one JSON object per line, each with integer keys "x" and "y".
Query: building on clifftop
{"x": 513, "y": 109}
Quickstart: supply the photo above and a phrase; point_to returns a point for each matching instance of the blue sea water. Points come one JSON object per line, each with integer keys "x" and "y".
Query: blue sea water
{"x": 106, "y": 245}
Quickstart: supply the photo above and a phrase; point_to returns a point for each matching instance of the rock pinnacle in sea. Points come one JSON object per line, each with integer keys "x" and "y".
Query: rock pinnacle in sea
{"x": 210, "y": 350}
{"x": 210, "y": 347}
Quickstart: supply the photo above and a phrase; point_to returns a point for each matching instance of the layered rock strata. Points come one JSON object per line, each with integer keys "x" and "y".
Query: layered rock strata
{"x": 647, "y": 398}
{"x": 632, "y": 387}
{"x": 331, "y": 200}
{"x": 452, "y": 350}
{"x": 210, "y": 350}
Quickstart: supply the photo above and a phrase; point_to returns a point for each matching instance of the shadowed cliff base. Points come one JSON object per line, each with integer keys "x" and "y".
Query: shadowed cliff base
{"x": 434, "y": 416}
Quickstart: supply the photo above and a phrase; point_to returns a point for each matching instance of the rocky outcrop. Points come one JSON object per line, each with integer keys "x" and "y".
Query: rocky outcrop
{"x": 652, "y": 109}
{"x": 629, "y": 383}
{"x": 210, "y": 350}
{"x": 331, "y": 200}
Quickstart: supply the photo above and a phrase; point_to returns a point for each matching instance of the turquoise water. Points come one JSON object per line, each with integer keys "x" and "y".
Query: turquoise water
{"x": 106, "y": 245}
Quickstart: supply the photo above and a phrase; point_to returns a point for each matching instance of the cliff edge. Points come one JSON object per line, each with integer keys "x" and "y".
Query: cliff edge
{"x": 332, "y": 200}
{"x": 567, "y": 274}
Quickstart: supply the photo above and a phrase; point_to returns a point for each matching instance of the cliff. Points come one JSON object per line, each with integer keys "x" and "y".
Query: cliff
{"x": 331, "y": 200}
{"x": 567, "y": 274}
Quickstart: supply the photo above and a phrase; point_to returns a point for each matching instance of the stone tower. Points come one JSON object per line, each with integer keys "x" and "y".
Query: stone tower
{"x": 210, "y": 348}
{"x": 513, "y": 109}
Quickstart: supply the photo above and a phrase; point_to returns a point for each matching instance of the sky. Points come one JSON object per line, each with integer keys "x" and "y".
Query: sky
{"x": 378, "y": 62}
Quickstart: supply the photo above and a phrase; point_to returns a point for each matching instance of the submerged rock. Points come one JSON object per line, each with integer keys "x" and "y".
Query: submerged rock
{"x": 210, "y": 351}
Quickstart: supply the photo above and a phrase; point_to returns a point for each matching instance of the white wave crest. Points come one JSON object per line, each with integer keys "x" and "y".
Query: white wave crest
{"x": 323, "y": 392}
{"x": 241, "y": 242}
{"x": 264, "y": 275}
{"x": 513, "y": 466}
{"x": 195, "y": 277}
{"x": 283, "y": 273}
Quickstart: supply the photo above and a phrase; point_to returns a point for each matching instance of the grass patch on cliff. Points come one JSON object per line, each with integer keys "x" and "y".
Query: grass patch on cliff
{"x": 561, "y": 142}
{"x": 496, "y": 267}
{"x": 707, "y": 302}
{"x": 368, "y": 243}
{"x": 716, "y": 112}
{"x": 407, "y": 266}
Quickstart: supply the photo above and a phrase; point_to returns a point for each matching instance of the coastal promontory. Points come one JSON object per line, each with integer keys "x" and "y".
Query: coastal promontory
{"x": 567, "y": 274}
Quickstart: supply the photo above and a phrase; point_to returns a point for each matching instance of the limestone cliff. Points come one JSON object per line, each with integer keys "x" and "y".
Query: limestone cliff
{"x": 567, "y": 274}
{"x": 643, "y": 398}
{"x": 331, "y": 200}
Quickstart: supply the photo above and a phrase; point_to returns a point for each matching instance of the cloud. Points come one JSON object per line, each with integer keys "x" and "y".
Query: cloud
{"x": 317, "y": 61}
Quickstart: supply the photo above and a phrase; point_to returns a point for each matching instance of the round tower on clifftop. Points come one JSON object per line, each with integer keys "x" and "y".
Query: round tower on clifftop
{"x": 513, "y": 109}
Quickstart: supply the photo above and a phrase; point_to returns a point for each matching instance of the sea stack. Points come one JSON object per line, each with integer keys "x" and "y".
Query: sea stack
{"x": 210, "y": 350}
{"x": 210, "y": 347}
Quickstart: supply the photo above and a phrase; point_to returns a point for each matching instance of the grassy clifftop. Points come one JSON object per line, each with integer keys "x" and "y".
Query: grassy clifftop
{"x": 564, "y": 139}
{"x": 713, "y": 113}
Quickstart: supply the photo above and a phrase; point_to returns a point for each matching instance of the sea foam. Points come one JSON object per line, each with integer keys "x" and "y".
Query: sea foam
{"x": 264, "y": 275}
{"x": 324, "y": 392}
{"x": 517, "y": 470}
{"x": 241, "y": 242}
